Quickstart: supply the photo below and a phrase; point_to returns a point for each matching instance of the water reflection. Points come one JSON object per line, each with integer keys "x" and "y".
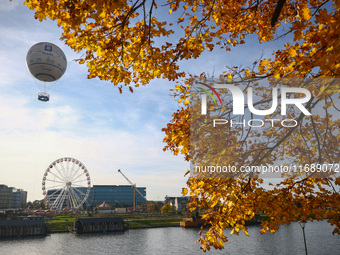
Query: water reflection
{"x": 288, "y": 240}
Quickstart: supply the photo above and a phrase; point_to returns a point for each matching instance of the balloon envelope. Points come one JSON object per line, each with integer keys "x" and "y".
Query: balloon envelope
{"x": 46, "y": 61}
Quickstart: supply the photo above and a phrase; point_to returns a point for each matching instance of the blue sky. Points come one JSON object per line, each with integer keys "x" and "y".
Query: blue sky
{"x": 88, "y": 119}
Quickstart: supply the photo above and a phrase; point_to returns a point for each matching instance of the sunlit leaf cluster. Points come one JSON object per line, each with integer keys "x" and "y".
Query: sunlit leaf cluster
{"x": 130, "y": 42}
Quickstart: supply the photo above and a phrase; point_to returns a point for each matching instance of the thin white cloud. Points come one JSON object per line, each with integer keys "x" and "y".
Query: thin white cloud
{"x": 14, "y": 116}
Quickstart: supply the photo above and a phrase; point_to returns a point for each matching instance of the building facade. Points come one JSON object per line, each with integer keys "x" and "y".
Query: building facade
{"x": 12, "y": 198}
{"x": 116, "y": 195}
{"x": 15, "y": 228}
{"x": 19, "y": 198}
{"x": 5, "y": 197}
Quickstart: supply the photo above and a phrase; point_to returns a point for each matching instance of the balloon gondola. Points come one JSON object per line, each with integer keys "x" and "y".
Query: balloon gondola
{"x": 47, "y": 63}
{"x": 43, "y": 96}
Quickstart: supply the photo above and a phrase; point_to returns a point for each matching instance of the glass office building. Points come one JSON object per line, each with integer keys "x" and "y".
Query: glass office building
{"x": 12, "y": 198}
{"x": 19, "y": 198}
{"x": 5, "y": 197}
{"x": 116, "y": 195}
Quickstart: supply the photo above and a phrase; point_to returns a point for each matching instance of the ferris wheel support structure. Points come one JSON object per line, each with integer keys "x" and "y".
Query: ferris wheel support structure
{"x": 66, "y": 184}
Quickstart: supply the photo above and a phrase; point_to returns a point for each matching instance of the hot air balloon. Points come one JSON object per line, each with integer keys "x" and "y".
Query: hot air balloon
{"x": 47, "y": 63}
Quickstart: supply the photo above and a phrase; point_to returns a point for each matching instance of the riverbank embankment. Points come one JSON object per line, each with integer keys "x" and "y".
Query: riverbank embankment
{"x": 64, "y": 223}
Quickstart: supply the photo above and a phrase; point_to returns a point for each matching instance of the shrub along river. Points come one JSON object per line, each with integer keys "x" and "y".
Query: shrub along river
{"x": 176, "y": 240}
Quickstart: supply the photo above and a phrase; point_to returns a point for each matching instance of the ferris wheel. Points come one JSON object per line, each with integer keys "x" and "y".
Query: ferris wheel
{"x": 66, "y": 184}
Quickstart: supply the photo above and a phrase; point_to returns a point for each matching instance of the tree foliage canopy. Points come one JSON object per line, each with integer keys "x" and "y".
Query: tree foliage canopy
{"x": 125, "y": 42}
{"x": 130, "y": 42}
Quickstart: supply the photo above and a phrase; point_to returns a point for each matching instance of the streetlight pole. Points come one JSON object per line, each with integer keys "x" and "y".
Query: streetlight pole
{"x": 302, "y": 225}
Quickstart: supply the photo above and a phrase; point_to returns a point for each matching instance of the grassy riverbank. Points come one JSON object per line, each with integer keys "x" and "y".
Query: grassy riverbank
{"x": 134, "y": 220}
{"x": 152, "y": 223}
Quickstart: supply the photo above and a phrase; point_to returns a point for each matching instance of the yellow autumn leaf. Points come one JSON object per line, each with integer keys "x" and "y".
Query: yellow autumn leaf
{"x": 103, "y": 15}
{"x": 292, "y": 52}
{"x": 329, "y": 49}
{"x": 306, "y": 13}
{"x": 186, "y": 102}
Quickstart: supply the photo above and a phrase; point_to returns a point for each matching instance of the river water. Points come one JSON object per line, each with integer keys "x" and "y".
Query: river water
{"x": 176, "y": 240}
